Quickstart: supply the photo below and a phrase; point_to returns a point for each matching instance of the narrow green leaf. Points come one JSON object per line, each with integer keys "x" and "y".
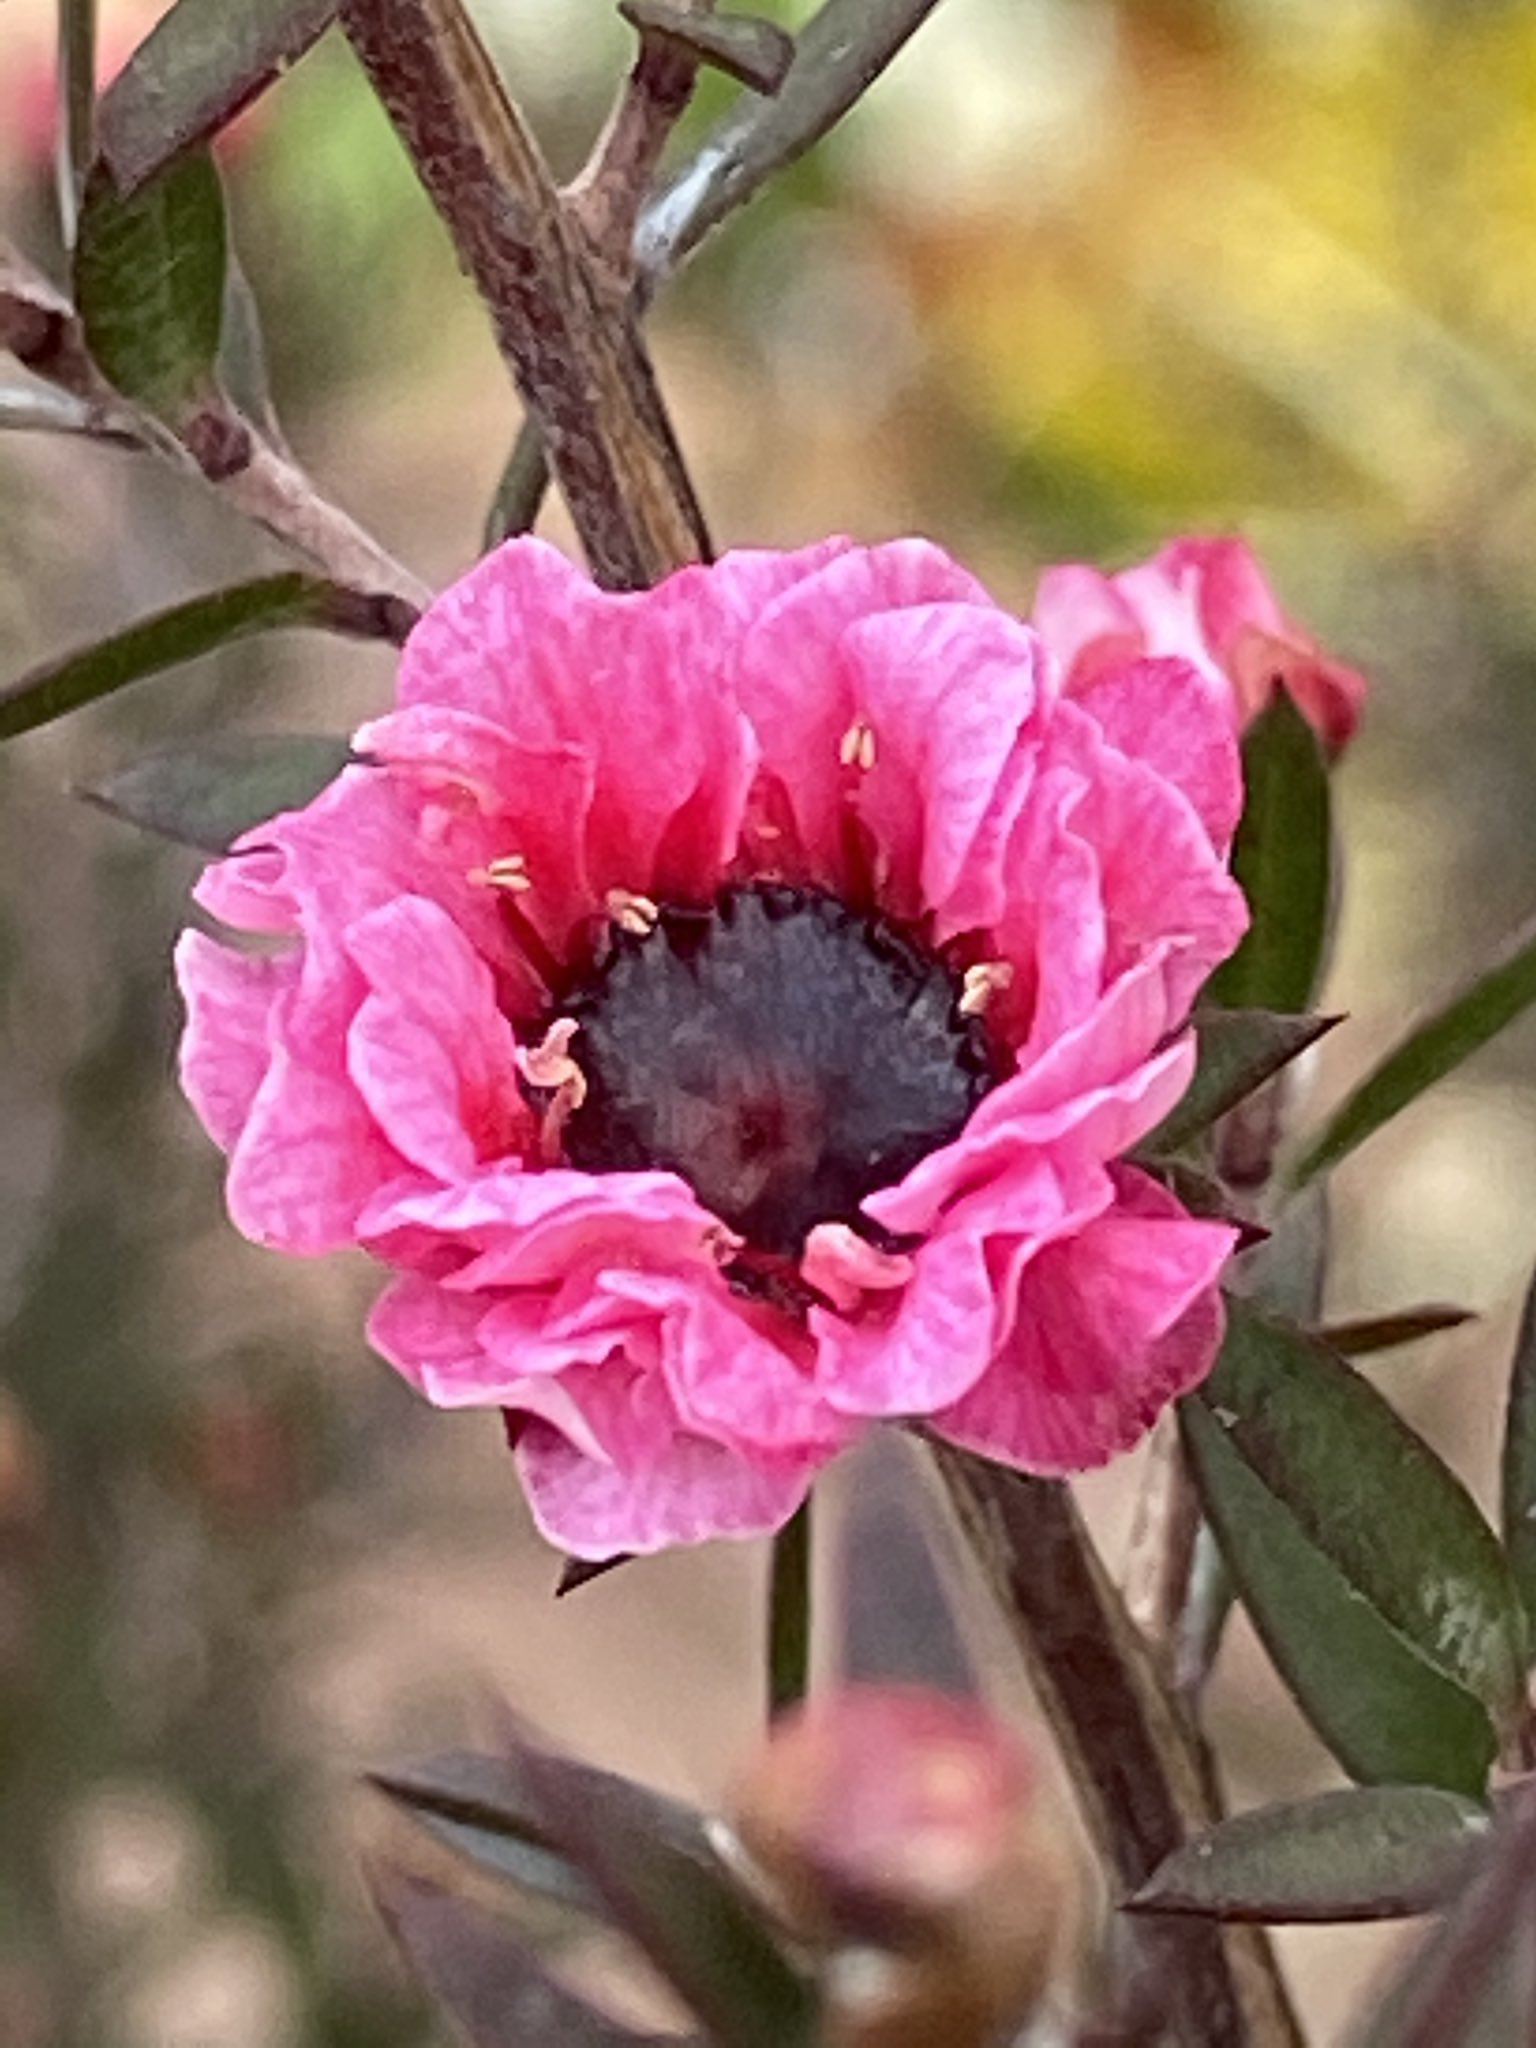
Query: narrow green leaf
{"x": 1374, "y": 1499}
{"x": 1370, "y": 1334}
{"x": 1238, "y": 1051}
{"x": 1381, "y": 1853}
{"x": 1386, "y": 1714}
{"x": 1434, "y": 1047}
{"x": 199, "y": 65}
{"x": 1282, "y": 857}
{"x": 149, "y": 284}
{"x": 789, "y": 1613}
{"x": 490, "y": 1982}
{"x": 679, "y": 1909}
{"x": 208, "y": 795}
{"x": 200, "y": 626}
{"x": 1519, "y": 1463}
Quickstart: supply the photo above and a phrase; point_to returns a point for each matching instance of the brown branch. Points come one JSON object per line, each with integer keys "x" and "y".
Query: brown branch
{"x": 574, "y": 349}
{"x": 607, "y": 196}
{"x": 1138, "y": 1767}
{"x": 1162, "y": 1544}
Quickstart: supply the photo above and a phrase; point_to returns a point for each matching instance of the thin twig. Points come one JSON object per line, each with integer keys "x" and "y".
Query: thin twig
{"x": 1163, "y": 1533}
{"x": 76, "y": 145}
{"x": 47, "y": 411}
{"x": 789, "y": 1612}
{"x": 576, "y": 356}
{"x": 607, "y": 196}
{"x": 839, "y": 54}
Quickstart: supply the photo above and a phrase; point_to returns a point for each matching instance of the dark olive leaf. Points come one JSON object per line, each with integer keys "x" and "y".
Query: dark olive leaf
{"x": 1238, "y": 1051}
{"x": 201, "y": 63}
{"x": 1381, "y": 1853}
{"x": 1282, "y": 856}
{"x": 200, "y": 626}
{"x": 207, "y": 796}
{"x": 1366, "y": 1336}
{"x": 646, "y": 1858}
{"x": 1374, "y": 1499}
{"x": 676, "y": 1905}
{"x": 1519, "y": 1463}
{"x": 1434, "y": 1047}
{"x": 495, "y": 1987}
{"x": 494, "y": 1794}
{"x": 149, "y": 285}
{"x": 1385, "y": 1713}
{"x": 1472, "y": 1982}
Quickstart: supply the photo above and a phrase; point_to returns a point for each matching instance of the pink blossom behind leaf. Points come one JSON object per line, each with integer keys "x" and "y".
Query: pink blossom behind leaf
{"x": 1208, "y": 603}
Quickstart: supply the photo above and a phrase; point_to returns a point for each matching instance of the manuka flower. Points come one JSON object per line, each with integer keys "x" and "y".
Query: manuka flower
{"x": 724, "y": 1008}
{"x": 1207, "y": 601}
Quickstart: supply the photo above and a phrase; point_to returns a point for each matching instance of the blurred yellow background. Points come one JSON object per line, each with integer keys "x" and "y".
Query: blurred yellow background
{"x": 1078, "y": 274}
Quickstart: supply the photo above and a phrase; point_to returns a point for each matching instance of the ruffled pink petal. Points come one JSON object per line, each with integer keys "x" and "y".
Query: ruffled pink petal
{"x": 1089, "y": 1095}
{"x": 1174, "y": 718}
{"x": 230, "y": 998}
{"x": 1086, "y": 622}
{"x": 1161, "y": 884}
{"x": 946, "y": 692}
{"x": 688, "y": 1490}
{"x": 525, "y": 1229}
{"x": 429, "y": 1050}
{"x": 493, "y": 797}
{"x": 795, "y": 686}
{"x": 641, "y": 683}
{"x": 728, "y": 1379}
{"x": 1112, "y": 1324}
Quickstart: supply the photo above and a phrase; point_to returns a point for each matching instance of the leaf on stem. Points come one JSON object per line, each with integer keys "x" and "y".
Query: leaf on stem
{"x": 1374, "y": 1499}
{"x": 1434, "y": 1047}
{"x": 197, "y": 68}
{"x": 208, "y": 795}
{"x": 1519, "y": 1461}
{"x": 1370, "y": 1334}
{"x": 1238, "y": 1050}
{"x": 646, "y": 1862}
{"x": 200, "y": 626}
{"x": 1378, "y": 1853}
{"x": 1282, "y": 856}
{"x": 490, "y": 1982}
{"x": 149, "y": 285}
{"x": 1385, "y": 1713}
{"x": 1377, "y": 1587}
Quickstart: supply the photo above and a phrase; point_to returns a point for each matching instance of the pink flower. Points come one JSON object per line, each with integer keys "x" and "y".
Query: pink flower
{"x": 1207, "y": 602}
{"x": 723, "y": 1007}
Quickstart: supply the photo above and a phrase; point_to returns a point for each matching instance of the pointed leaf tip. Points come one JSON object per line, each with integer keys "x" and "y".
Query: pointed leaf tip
{"x": 1379, "y": 1853}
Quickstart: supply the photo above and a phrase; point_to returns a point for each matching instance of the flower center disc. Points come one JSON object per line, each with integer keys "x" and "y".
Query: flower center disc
{"x": 784, "y": 1054}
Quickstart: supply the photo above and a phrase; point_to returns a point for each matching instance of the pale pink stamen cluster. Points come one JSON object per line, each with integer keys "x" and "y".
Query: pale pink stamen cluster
{"x": 553, "y": 744}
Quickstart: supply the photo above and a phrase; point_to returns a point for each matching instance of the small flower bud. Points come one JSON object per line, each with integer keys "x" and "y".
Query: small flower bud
{"x": 907, "y": 1835}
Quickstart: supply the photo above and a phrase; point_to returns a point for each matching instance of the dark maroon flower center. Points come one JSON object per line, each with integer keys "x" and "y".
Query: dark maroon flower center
{"x": 783, "y": 1053}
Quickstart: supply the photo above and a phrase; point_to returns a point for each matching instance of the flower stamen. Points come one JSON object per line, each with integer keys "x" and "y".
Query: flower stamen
{"x": 981, "y": 983}
{"x": 548, "y": 1066}
{"x": 638, "y": 915}
{"x": 857, "y": 746}
{"x": 508, "y": 871}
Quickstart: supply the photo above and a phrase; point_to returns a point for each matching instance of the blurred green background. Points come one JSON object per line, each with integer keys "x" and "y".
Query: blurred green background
{"x": 1077, "y": 275}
